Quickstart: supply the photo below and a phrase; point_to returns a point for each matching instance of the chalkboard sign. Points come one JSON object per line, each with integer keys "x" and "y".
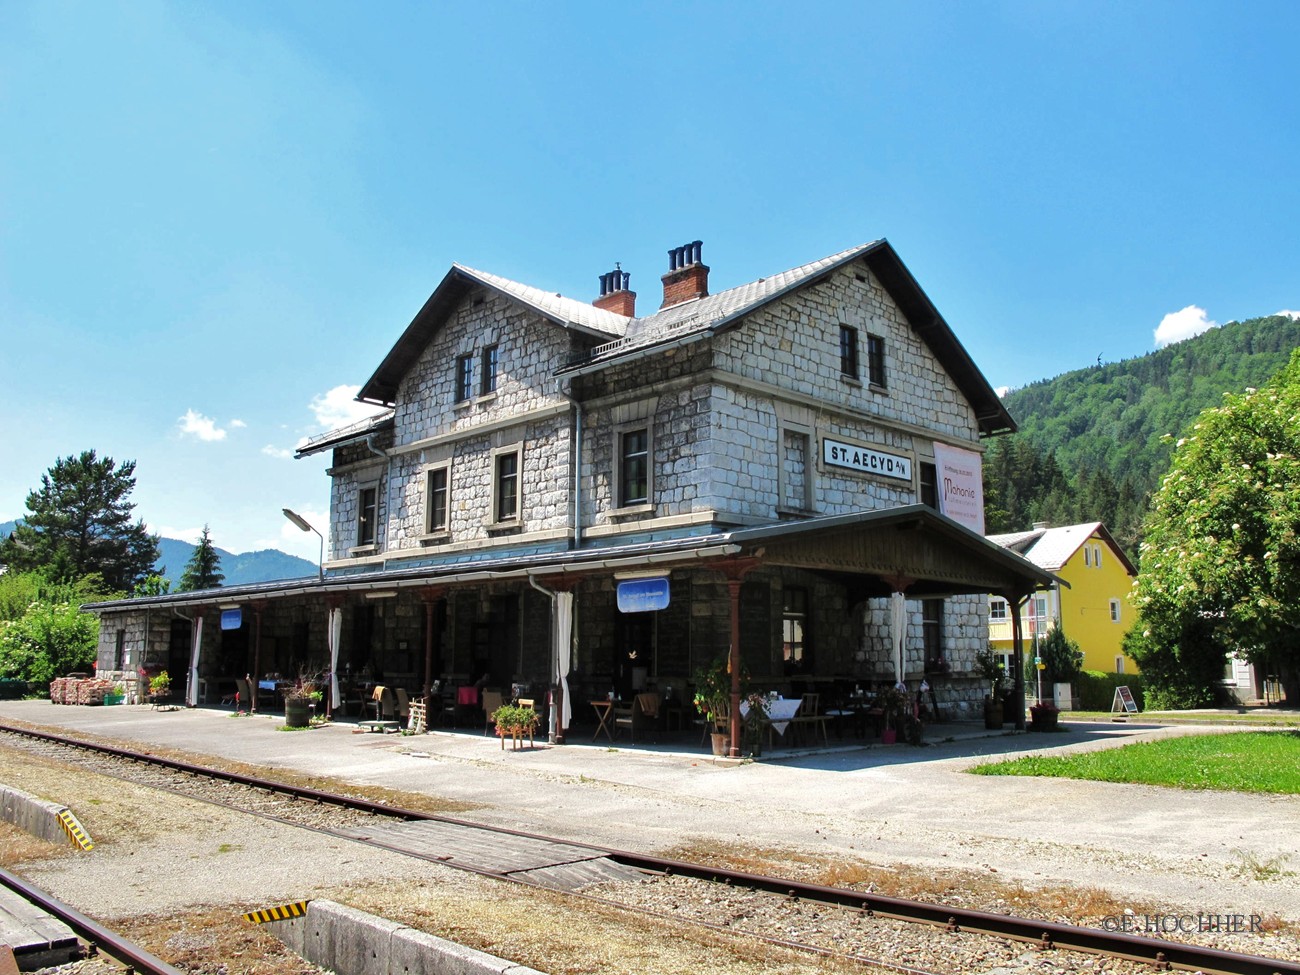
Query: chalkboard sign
{"x": 1123, "y": 702}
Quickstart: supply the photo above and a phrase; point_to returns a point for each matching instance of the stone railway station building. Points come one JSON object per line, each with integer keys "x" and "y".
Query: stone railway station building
{"x": 564, "y": 495}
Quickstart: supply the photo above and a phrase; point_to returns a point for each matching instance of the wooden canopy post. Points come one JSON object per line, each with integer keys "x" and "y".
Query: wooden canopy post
{"x": 1018, "y": 656}
{"x": 258, "y": 607}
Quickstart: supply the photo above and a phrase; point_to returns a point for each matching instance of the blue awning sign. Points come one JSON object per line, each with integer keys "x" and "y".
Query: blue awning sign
{"x": 643, "y": 595}
{"x": 232, "y": 619}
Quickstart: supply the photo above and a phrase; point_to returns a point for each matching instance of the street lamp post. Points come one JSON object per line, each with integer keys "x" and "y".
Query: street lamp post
{"x": 301, "y": 522}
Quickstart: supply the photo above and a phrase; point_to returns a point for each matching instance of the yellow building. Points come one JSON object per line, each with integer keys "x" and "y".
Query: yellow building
{"x": 1094, "y": 611}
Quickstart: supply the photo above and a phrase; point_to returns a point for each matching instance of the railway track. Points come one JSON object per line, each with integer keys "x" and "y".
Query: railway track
{"x": 97, "y": 937}
{"x": 567, "y": 865}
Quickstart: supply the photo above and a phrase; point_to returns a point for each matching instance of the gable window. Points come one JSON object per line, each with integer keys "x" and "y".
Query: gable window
{"x": 437, "y": 500}
{"x": 849, "y": 351}
{"x": 634, "y": 468}
{"x": 1087, "y": 556}
{"x": 464, "y": 377}
{"x": 876, "y": 360}
{"x": 488, "y": 379}
{"x": 1114, "y": 610}
{"x": 929, "y": 486}
{"x": 1096, "y": 556}
{"x": 795, "y": 652}
{"x": 505, "y": 486}
{"x": 997, "y": 610}
{"x": 367, "y": 515}
{"x": 1119, "y": 666}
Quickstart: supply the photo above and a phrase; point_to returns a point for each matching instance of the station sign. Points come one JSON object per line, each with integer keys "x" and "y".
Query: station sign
{"x": 867, "y": 460}
{"x": 232, "y": 619}
{"x": 643, "y": 595}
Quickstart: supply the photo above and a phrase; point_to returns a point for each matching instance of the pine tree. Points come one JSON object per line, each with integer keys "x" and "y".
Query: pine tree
{"x": 79, "y": 523}
{"x": 203, "y": 571}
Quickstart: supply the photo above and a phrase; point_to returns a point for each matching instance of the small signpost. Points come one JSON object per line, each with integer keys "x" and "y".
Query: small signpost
{"x": 1123, "y": 705}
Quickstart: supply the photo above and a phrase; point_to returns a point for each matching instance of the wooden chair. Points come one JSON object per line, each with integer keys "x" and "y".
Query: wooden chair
{"x": 491, "y": 701}
{"x": 642, "y": 715}
{"x": 403, "y": 704}
{"x": 810, "y": 716}
{"x": 243, "y": 693}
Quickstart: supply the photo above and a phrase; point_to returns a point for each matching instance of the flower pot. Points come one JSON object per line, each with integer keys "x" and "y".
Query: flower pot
{"x": 721, "y": 744}
{"x": 296, "y": 714}
{"x": 888, "y": 736}
{"x": 993, "y": 714}
{"x": 1043, "y": 718}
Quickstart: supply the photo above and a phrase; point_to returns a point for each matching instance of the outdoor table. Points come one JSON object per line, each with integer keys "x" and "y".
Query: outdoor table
{"x": 602, "y": 709}
{"x": 779, "y": 713}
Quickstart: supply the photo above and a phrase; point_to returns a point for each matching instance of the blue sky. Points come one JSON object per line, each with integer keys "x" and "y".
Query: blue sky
{"x": 216, "y": 218}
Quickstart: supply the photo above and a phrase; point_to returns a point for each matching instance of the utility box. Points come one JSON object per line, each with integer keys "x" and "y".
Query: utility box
{"x": 1063, "y": 697}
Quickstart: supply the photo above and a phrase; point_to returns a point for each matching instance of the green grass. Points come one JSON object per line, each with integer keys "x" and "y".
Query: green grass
{"x": 1245, "y": 761}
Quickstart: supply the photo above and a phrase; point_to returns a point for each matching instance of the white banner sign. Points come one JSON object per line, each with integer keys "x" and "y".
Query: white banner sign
{"x": 864, "y": 459}
{"x": 960, "y": 476}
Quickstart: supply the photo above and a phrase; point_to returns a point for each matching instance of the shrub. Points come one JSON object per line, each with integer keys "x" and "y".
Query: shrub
{"x": 1097, "y": 689}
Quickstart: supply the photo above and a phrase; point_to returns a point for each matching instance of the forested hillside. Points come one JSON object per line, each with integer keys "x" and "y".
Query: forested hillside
{"x": 1090, "y": 445}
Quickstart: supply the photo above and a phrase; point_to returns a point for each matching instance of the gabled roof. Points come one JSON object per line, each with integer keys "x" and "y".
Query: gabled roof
{"x": 566, "y": 312}
{"x": 694, "y": 320}
{"x": 1051, "y": 548}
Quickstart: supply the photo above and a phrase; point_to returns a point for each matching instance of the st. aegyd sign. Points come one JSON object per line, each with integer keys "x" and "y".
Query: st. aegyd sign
{"x": 837, "y": 453}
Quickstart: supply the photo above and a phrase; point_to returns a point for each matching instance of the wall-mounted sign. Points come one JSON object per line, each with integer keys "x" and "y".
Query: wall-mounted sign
{"x": 642, "y": 595}
{"x": 232, "y": 619}
{"x": 961, "y": 485}
{"x": 865, "y": 459}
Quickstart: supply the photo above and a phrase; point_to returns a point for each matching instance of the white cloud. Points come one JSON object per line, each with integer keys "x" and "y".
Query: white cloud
{"x": 279, "y": 453}
{"x": 297, "y": 542}
{"x": 190, "y": 535}
{"x": 200, "y": 426}
{"x": 237, "y": 424}
{"x": 1002, "y": 391}
{"x": 338, "y": 407}
{"x": 1288, "y": 313}
{"x": 1179, "y": 325}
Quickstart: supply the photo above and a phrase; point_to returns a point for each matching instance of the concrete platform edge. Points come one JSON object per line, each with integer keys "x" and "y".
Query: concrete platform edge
{"x": 40, "y": 817}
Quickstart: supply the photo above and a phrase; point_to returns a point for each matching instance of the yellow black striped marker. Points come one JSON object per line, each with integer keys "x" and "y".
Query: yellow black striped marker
{"x": 281, "y": 913}
{"x": 75, "y": 833}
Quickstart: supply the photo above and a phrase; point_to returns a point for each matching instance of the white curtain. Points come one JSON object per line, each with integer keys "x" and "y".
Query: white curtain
{"x": 898, "y": 633}
{"x": 196, "y": 643}
{"x": 564, "y": 651}
{"x": 335, "y": 632}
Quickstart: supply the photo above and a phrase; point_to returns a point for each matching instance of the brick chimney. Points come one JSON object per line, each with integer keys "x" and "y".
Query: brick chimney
{"x": 614, "y": 295}
{"x": 687, "y": 278}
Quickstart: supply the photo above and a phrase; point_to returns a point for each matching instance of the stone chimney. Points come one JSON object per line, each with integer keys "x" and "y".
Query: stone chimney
{"x": 614, "y": 295}
{"x": 687, "y": 277}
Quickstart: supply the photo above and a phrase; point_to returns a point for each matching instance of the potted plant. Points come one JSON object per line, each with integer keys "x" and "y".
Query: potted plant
{"x": 515, "y": 720}
{"x": 989, "y": 667}
{"x": 160, "y": 687}
{"x": 713, "y": 700}
{"x": 894, "y": 710}
{"x": 755, "y": 726}
{"x": 299, "y": 700}
{"x": 1043, "y": 717}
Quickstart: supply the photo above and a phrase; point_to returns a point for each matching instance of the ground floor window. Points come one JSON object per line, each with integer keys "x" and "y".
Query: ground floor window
{"x": 795, "y": 652}
{"x": 932, "y": 628}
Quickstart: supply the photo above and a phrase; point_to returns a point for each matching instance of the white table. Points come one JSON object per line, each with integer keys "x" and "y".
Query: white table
{"x": 779, "y": 712}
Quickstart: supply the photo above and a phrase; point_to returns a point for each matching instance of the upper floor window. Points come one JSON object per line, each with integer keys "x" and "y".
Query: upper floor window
{"x": 1096, "y": 556}
{"x": 367, "y": 515}
{"x": 876, "y": 360}
{"x": 997, "y": 610}
{"x": 794, "y": 473}
{"x": 849, "y": 351}
{"x": 505, "y": 485}
{"x": 437, "y": 500}
{"x": 634, "y": 468}
{"x": 929, "y": 485}
{"x": 1114, "y": 610}
{"x": 488, "y": 380}
{"x": 464, "y": 377}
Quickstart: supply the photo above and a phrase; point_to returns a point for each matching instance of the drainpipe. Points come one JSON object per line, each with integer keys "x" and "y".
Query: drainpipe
{"x": 553, "y": 717}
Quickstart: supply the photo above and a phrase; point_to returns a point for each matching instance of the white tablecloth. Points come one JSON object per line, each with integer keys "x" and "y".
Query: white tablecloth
{"x": 779, "y": 712}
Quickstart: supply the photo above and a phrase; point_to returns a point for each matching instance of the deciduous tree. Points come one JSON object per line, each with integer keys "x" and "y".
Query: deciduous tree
{"x": 1221, "y": 559}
